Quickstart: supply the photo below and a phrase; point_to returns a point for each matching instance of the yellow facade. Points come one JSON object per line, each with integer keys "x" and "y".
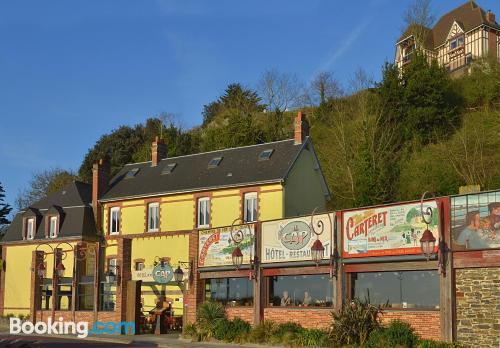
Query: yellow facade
{"x": 18, "y": 274}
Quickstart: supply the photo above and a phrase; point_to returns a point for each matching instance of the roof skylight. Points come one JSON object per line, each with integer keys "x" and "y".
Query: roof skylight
{"x": 265, "y": 155}
{"x": 214, "y": 162}
{"x": 131, "y": 173}
{"x": 168, "y": 168}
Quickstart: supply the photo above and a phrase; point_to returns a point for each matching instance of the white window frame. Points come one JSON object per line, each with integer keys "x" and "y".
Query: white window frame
{"x": 112, "y": 211}
{"x": 30, "y": 232}
{"x": 203, "y": 212}
{"x": 141, "y": 267}
{"x": 53, "y": 231}
{"x": 156, "y": 228}
{"x": 250, "y": 197}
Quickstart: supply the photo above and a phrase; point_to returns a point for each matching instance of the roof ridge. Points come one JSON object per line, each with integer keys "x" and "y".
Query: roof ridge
{"x": 213, "y": 151}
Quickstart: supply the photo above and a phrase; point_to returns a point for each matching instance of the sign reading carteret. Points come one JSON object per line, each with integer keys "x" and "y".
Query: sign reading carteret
{"x": 386, "y": 230}
{"x": 215, "y": 246}
{"x": 291, "y": 239}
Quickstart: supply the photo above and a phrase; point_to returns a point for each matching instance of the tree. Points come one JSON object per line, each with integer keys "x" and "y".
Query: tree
{"x": 418, "y": 18}
{"x": 42, "y": 184}
{"x": 323, "y": 88}
{"x": 5, "y": 209}
{"x": 279, "y": 91}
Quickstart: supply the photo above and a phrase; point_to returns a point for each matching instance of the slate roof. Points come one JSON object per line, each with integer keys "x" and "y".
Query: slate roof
{"x": 73, "y": 202}
{"x": 468, "y": 16}
{"x": 239, "y": 166}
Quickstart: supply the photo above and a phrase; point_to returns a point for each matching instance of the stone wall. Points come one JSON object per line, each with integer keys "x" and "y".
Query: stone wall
{"x": 478, "y": 307}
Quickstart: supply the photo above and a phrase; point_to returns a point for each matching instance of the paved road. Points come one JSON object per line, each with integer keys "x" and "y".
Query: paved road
{"x": 23, "y": 341}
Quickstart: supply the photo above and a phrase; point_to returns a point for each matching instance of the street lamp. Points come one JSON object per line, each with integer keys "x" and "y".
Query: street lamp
{"x": 60, "y": 269}
{"x": 427, "y": 243}
{"x": 178, "y": 274}
{"x": 41, "y": 270}
{"x": 237, "y": 255}
{"x": 318, "y": 249}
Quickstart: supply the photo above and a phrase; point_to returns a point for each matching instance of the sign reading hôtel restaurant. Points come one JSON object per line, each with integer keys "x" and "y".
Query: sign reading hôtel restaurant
{"x": 291, "y": 239}
{"x": 386, "y": 230}
{"x": 215, "y": 246}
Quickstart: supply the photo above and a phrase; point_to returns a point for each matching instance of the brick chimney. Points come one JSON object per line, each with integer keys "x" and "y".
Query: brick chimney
{"x": 100, "y": 180}
{"x": 301, "y": 128}
{"x": 490, "y": 17}
{"x": 158, "y": 151}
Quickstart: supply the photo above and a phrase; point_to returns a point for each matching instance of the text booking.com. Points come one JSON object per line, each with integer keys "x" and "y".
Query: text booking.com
{"x": 61, "y": 327}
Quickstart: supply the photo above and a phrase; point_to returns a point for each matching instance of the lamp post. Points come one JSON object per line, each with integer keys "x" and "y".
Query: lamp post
{"x": 318, "y": 249}
{"x": 237, "y": 237}
{"x": 428, "y": 241}
{"x": 179, "y": 279}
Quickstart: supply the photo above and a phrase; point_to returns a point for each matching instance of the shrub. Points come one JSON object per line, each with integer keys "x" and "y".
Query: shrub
{"x": 189, "y": 330}
{"x": 397, "y": 334}
{"x": 262, "y": 332}
{"x": 354, "y": 322}
{"x": 436, "y": 344}
{"x": 312, "y": 337}
{"x": 236, "y": 330}
{"x": 208, "y": 316}
{"x": 285, "y": 333}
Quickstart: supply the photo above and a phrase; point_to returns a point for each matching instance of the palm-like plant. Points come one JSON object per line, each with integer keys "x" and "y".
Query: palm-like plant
{"x": 207, "y": 316}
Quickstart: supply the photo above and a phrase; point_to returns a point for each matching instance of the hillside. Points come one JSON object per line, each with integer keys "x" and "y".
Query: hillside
{"x": 386, "y": 141}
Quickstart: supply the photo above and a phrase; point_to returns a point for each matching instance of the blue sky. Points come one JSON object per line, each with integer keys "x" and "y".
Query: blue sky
{"x": 71, "y": 71}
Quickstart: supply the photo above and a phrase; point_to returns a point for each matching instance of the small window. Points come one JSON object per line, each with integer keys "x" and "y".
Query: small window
{"x": 131, "y": 173}
{"x": 250, "y": 207}
{"x": 265, "y": 155}
{"x": 139, "y": 266}
{"x": 153, "y": 217}
{"x": 30, "y": 228}
{"x": 114, "y": 220}
{"x": 457, "y": 42}
{"x": 113, "y": 266}
{"x": 53, "y": 227}
{"x": 214, "y": 162}
{"x": 168, "y": 168}
{"x": 204, "y": 212}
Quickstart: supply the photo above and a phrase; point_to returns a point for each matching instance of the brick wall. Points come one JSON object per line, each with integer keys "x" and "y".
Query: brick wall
{"x": 426, "y": 323}
{"x": 194, "y": 296}
{"x": 87, "y": 316}
{"x": 308, "y": 318}
{"x": 478, "y": 306}
{"x": 245, "y": 313}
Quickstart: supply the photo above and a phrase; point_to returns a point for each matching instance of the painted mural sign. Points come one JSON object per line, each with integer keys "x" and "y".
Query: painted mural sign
{"x": 291, "y": 239}
{"x": 475, "y": 221}
{"x": 387, "y": 230}
{"x": 215, "y": 246}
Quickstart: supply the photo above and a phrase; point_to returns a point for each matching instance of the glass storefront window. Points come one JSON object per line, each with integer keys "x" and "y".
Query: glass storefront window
{"x": 301, "y": 290}
{"x": 230, "y": 291}
{"x": 64, "y": 294}
{"x": 401, "y": 289}
{"x": 46, "y": 294}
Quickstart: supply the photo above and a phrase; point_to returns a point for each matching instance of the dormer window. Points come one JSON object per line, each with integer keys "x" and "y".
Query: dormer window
{"x": 214, "y": 162}
{"x": 53, "y": 227}
{"x": 30, "y": 228}
{"x": 168, "y": 168}
{"x": 457, "y": 42}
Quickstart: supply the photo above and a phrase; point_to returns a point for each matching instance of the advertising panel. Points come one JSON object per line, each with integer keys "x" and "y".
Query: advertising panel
{"x": 291, "y": 239}
{"x": 386, "y": 230}
{"x": 475, "y": 221}
{"x": 215, "y": 246}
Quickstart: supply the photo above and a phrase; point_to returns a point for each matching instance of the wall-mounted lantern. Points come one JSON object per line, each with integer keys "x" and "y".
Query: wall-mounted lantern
{"x": 237, "y": 255}
{"x": 318, "y": 249}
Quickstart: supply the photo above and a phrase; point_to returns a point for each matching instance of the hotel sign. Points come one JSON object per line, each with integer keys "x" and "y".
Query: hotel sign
{"x": 386, "y": 230}
{"x": 215, "y": 246}
{"x": 291, "y": 239}
{"x": 158, "y": 274}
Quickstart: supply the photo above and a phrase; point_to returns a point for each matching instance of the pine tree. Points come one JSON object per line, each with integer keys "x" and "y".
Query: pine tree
{"x": 4, "y": 208}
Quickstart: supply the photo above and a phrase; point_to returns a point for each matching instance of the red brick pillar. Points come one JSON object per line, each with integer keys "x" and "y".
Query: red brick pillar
{"x": 193, "y": 296}
{"x": 2, "y": 278}
{"x": 35, "y": 295}
{"x": 124, "y": 262}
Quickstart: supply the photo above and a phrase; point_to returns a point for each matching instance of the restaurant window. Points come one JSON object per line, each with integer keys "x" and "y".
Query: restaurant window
{"x": 53, "y": 227}
{"x": 30, "y": 228}
{"x": 85, "y": 280}
{"x": 230, "y": 291}
{"x": 204, "y": 212}
{"x": 153, "y": 217}
{"x": 107, "y": 291}
{"x": 402, "y": 289}
{"x": 301, "y": 290}
{"x": 64, "y": 294}
{"x": 114, "y": 220}
{"x": 250, "y": 207}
